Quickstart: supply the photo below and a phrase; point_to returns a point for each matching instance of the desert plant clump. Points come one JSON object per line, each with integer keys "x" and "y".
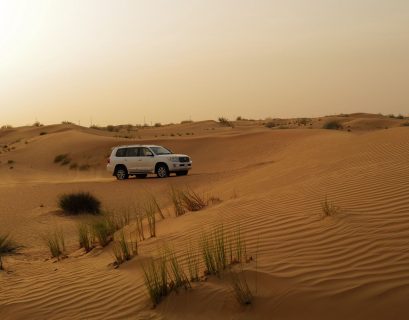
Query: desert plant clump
{"x": 7, "y": 246}
{"x": 192, "y": 201}
{"x": 85, "y": 237}
{"x": 179, "y": 278}
{"x": 176, "y": 196}
{"x": 61, "y": 158}
{"x": 156, "y": 279}
{"x": 150, "y": 211}
{"x": 80, "y": 202}
{"x": 193, "y": 264}
{"x": 332, "y": 125}
{"x": 329, "y": 209}
{"x": 55, "y": 242}
{"x": 270, "y": 124}
{"x": 37, "y": 124}
{"x": 124, "y": 250}
{"x": 186, "y": 200}
{"x": 241, "y": 289}
{"x": 405, "y": 124}
{"x": 225, "y": 122}
{"x": 102, "y": 230}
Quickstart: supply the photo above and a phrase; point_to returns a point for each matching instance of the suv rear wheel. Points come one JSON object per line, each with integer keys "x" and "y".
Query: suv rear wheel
{"x": 121, "y": 173}
{"x": 162, "y": 171}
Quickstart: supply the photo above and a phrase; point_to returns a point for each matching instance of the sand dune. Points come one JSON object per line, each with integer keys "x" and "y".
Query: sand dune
{"x": 353, "y": 265}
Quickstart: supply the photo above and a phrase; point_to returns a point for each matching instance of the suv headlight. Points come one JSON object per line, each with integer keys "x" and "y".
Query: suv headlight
{"x": 174, "y": 159}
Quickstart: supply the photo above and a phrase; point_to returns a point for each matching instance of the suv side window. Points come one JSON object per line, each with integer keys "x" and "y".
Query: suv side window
{"x": 145, "y": 152}
{"x": 121, "y": 152}
{"x": 132, "y": 152}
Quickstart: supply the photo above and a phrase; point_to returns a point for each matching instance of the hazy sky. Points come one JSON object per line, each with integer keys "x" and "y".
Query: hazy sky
{"x": 121, "y": 61}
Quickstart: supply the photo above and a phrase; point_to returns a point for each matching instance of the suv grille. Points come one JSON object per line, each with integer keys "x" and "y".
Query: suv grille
{"x": 184, "y": 159}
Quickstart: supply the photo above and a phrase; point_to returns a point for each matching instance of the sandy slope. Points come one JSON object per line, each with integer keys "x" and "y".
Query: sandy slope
{"x": 272, "y": 182}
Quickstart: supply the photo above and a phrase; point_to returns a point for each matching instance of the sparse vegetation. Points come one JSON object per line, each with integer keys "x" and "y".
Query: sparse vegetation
{"x": 225, "y": 122}
{"x": 241, "y": 288}
{"x": 405, "y": 124}
{"x": 61, "y": 158}
{"x": 55, "y": 242}
{"x": 7, "y": 246}
{"x": 329, "y": 209}
{"x": 84, "y": 167}
{"x": 193, "y": 264}
{"x": 186, "y": 200}
{"x": 124, "y": 251}
{"x": 270, "y": 124}
{"x": 80, "y": 202}
{"x": 43, "y": 133}
{"x": 156, "y": 279}
{"x": 86, "y": 238}
{"x": 37, "y": 124}
{"x": 102, "y": 231}
{"x": 332, "y": 125}
{"x": 150, "y": 211}
{"x": 179, "y": 277}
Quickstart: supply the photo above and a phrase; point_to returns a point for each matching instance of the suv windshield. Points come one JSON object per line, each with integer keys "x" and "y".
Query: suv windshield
{"x": 160, "y": 150}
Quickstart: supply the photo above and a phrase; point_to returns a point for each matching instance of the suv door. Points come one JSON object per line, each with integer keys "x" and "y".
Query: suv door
{"x": 147, "y": 159}
{"x": 133, "y": 161}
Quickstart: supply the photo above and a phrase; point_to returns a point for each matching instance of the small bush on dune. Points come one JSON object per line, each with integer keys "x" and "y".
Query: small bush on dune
{"x": 81, "y": 202}
{"x": 332, "y": 125}
{"x": 270, "y": 124}
{"x": 7, "y": 246}
{"x": 405, "y": 124}
{"x": 225, "y": 122}
{"x": 60, "y": 158}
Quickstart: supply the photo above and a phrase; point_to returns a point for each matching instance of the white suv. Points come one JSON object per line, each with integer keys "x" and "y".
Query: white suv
{"x": 139, "y": 160}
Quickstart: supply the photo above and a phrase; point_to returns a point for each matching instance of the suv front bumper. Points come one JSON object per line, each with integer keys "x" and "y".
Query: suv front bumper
{"x": 180, "y": 166}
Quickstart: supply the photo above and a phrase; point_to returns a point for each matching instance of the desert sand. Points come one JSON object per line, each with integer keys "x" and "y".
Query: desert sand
{"x": 271, "y": 182}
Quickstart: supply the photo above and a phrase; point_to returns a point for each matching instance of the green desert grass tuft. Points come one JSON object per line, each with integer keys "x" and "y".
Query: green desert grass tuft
{"x": 241, "y": 289}
{"x": 179, "y": 278}
{"x": 55, "y": 242}
{"x": 102, "y": 230}
{"x": 329, "y": 209}
{"x": 85, "y": 235}
{"x": 79, "y": 202}
{"x": 193, "y": 264}
{"x": 7, "y": 246}
{"x": 156, "y": 279}
{"x": 124, "y": 250}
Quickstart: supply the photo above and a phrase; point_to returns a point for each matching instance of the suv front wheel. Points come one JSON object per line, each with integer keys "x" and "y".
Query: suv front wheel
{"x": 121, "y": 173}
{"x": 162, "y": 171}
